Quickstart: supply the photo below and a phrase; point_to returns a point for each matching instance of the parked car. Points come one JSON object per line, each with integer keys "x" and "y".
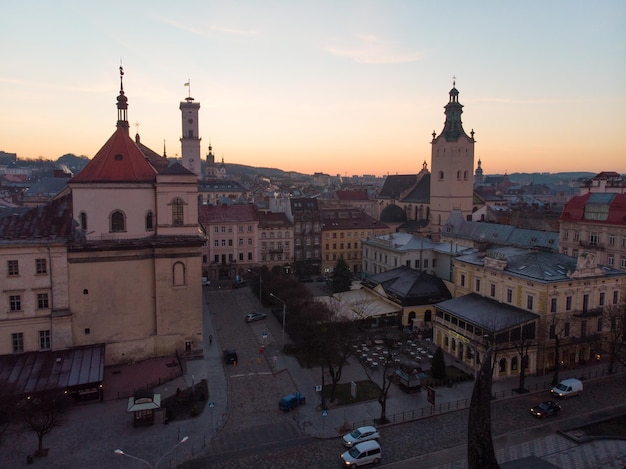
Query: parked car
{"x": 291, "y": 401}
{"x": 362, "y": 453}
{"x": 240, "y": 284}
{"x": 567, "y": 388}
{"x": 360, "y": 434}
{"x": 251, "y": 317}
{"x": 230, "y": 356}
{"x": 546, "y": 409}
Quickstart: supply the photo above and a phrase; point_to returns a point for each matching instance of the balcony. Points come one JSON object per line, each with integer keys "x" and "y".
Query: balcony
{"x": 591, "y": 245}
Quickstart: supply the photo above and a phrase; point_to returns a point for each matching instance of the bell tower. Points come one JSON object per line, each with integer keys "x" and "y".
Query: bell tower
{"x": 452, "y": 167}
{"x": 190, "y": 141}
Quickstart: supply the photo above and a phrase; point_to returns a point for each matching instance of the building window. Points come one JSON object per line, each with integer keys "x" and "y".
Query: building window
{"x": 425, "y": 263}
{"x": 83, "y": 221}
{"x": 216, "y": 229}
{"x": 15, "y": 303}
{"x": 230, "y": 242}
{"x": 599, "y": 324}
{"x": 623, "y": 263}
{"x": 216, "y": 258}
{"x": 601, "y": 301}
{"x": 434, "y": 263}
{"x": 615, "y": 297}
{"x": 565, "y": 234}
{"x": 249, "y": 256}
{"x": 241, "y": 256}
{"x": 509, "y": 295}
{"x": 576, "y": 235}
{"x": 593, "y": 238}
{"x": 179, "y": 274}
{"x": 552, "y": 331}
{"x": 18, "y": 342}
{"x": 178, "y": 212}
{"x": 149, "y": 221}
{"x": 585, "y": 303}
{"x": 583, "y": 328}
{"x": 477, "y": 284}
{"x": 41, "y": 266}
{"x": 611, "y": 240}
{"x": 553, "y": 305}
{"x": 13, "y": 268}
{"x": 216, "y": 243}
{"x": 118, "y": 222}
{"x": 249, "y": 241}
{"x": 568, "y": 303}
{"x": 611, "y": 260}
{"x": 492, "y": 290}
{"x": 42, "y": 301}
{"x": 566, "y": 330}
{"x": 223, "y": 242}
{"x": 44, "y": 340}
{"x": 529, "y": 302}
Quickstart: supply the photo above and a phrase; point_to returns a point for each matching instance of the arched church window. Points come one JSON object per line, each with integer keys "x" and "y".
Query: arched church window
{"x": 83, "y": 221}
{"x": 458, "y": 175}
{"x": 441, "y": 175}
{"x": 178, "y": 211}
{"x": 179, "y": 274}
{"x": 465, "y": 175}
{"x": 149, "y": 221}
{"x": 118, "y": 221}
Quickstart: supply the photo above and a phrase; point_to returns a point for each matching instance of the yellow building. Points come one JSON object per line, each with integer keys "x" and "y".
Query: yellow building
{"x": 506, "y": 295}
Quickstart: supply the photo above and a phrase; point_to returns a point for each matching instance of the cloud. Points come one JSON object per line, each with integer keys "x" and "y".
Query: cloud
{"x": 370, "y": 49}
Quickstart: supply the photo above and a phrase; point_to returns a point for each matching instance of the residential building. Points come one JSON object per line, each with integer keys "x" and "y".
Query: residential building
{"x": 232, "y": 234}
{"x": 307, "y": 234}
{"x": 595, "y": 222}
{"x": 276, "y": 240}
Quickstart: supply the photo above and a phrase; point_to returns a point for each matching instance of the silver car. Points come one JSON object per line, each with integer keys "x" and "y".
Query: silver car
{"x": 251, "y": 317}
{"x": 360, "y": 434}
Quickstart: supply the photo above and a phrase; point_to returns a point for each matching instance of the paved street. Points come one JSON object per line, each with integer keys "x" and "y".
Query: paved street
{"x": 241, "y": 426}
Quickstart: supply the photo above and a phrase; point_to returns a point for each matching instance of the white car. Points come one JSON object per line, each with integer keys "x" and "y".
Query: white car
{"x": 360, "y": 434}
{"x": 251, "y": 317}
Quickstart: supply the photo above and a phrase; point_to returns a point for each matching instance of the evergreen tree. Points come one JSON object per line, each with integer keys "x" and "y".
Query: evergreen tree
{"x": 342, "y": 277}
{"x": 438, "y": 365}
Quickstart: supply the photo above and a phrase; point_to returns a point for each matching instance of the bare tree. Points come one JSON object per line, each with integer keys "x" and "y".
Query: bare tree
{"x": 42, "y": 412}
{"x": 383, "y": 381}
{"x": 480, "y": 450}
{"x": 615, "y": 315}
{"x": 558, "y": 328}
{"x": 522, "y": 340}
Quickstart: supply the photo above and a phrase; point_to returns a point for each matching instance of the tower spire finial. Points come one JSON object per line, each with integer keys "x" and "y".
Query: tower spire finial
{"x": 122, "y": 104}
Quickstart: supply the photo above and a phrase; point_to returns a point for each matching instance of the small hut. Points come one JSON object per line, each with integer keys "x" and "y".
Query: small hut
{"x": 143, "y": 406}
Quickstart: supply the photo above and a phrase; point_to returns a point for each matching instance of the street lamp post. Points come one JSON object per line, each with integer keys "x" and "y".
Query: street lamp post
{"x": 260, "y": 284}
{"x": 284, "y": 308}
{"x": 122, "y": 453}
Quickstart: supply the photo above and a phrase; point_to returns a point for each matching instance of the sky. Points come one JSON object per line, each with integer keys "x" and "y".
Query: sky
{"x": 340, "y": 87}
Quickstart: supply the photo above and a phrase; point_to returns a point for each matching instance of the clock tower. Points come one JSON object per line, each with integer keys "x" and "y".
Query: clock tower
{"x": 190, "y": 141}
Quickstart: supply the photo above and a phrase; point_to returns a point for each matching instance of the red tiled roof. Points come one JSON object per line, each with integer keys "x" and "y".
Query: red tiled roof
{"x": 574, "y": 209}
{"x": 119, "y": 160}
{"x": 352, "y": 195}
{"x": 208, "y": 214}
{"x": 51, "y": 221}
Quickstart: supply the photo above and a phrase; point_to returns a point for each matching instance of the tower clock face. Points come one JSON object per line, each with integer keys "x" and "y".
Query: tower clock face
{"x": 190, "y": 121}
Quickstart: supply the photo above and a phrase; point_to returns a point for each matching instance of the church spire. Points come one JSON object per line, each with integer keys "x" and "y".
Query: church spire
{"x": 122, "y": 105}
{"x": 453, "y": 127}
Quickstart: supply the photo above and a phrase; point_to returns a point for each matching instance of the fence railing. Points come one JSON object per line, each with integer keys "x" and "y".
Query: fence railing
{"x": 460, "y": 404}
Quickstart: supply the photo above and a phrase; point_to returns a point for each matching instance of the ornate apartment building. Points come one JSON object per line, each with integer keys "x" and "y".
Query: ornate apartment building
{"x": 595, "y": 222}
{"x": 506, "y": 296}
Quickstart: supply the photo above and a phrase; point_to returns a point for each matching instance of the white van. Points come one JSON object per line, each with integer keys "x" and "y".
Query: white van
{"x": 361, "y": 454}
{"x": 567, "y": 388}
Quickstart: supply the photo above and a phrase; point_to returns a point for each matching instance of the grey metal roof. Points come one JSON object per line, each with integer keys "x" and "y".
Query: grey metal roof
{"x": 538, "y": 266}
{"x": 486, "y": 313}
{"x": 33, "y": 372}
{"x": 407, "y": 286}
